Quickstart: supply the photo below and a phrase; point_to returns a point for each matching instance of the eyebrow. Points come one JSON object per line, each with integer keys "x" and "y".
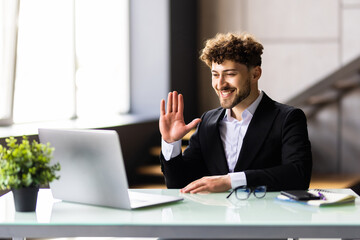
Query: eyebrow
{"x": 226, "y": 70}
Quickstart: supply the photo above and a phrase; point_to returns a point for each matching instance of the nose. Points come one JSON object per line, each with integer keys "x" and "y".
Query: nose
{"x": 221, "y": 81}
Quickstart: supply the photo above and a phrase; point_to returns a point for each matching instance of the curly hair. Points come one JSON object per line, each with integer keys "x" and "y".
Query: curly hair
{"x": 241, "y": 48}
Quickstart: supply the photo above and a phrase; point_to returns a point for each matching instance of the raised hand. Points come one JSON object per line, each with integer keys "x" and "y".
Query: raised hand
{"x": 171, "y": 122}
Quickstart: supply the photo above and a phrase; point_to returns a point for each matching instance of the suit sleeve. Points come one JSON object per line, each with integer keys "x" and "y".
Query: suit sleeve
{"x": 186, "y": 167}
{"x": 294, "y": 172}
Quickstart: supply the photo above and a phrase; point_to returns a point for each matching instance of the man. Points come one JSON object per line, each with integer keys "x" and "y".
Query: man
{"x": 250, "y": 140}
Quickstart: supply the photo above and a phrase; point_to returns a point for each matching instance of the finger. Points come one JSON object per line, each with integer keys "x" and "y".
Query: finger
{"x": 175, "y": 102}
{"x": 200, "y": 189}
{"x": 180, "y": 104}
{"x": 193, "y": 124}
{"x": 169, "y": 103}
{"x": 191, "y": 186}
{"x": 185, "y": 189}
{"x": 162, "y": 107}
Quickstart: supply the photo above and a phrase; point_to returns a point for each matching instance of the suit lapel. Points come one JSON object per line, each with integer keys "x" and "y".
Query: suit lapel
{"x": 257, "y": 132}
{"x": 217, "y": 160}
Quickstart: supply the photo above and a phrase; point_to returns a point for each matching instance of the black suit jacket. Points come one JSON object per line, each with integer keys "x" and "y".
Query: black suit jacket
{"x": 276, "y": 150}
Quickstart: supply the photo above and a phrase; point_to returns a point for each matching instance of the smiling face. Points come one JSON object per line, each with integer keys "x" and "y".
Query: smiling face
{"x": 231, "y": 82}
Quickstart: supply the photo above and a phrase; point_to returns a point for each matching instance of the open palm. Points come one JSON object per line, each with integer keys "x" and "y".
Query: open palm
{"x": 171, "y": 123}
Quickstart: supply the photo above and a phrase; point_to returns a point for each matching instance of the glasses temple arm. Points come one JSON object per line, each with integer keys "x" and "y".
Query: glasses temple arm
{"x": 232, "y": 191}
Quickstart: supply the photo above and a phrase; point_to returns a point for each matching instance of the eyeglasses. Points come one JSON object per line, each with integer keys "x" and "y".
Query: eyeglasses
{"x": 243, "y": 192}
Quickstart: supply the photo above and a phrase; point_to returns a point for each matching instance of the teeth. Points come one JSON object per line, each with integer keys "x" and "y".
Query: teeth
{"x": 225, "y": 93}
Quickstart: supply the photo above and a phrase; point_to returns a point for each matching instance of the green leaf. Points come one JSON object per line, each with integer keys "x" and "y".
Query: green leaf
{"x": 26, "y": 164}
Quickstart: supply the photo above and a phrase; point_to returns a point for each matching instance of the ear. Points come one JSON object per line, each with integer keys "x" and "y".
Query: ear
{"x": 256, "y": 73}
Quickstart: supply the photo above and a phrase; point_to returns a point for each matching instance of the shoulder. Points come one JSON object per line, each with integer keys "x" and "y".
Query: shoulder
{"x": 282, "y": 114}
{"x": 288, "y": 111}
{"x": 289, "y": 116}
{"x": 282, "y": 108}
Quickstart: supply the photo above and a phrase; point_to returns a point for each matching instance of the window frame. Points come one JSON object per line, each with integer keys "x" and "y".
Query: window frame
{"x": 8, "y": 120}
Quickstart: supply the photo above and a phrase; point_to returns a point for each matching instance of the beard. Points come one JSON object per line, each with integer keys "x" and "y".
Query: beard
{"x": 239, "y": 97}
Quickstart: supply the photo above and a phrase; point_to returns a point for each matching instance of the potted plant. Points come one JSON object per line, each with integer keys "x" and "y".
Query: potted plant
{"x": 24, "y": 168}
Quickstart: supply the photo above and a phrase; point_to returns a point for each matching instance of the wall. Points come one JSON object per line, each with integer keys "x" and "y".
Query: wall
{"x": 163, "y": 54}
{"x": 215, "y": 16}
{"x": 304, "y": 41}
{"x": 150, "y": 57}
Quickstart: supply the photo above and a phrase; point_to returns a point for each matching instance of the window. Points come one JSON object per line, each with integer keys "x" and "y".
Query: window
{"x": 44, "y": 88}
{"x": 102, "y": 46}
{"x": 8, "y": 16}
{"x": 72, "y": 59}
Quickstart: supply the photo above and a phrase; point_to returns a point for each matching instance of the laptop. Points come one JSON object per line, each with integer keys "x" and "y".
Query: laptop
{"x": 93, "y": 171}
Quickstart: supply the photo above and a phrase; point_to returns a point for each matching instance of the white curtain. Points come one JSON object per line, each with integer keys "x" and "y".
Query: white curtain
{"x": 9, "y": 10}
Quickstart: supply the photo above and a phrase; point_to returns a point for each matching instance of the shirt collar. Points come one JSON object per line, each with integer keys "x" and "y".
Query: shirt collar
{"x": 251, "y": 109}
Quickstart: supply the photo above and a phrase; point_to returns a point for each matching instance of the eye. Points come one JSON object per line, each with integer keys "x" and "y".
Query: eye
{"x": 231, "y": 74}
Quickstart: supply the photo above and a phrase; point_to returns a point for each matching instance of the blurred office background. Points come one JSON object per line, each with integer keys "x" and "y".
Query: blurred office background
{"x": 108, "y": 63}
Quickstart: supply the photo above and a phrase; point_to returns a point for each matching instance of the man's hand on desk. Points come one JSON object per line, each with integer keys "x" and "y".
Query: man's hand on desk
{"x": 209, "y": 184}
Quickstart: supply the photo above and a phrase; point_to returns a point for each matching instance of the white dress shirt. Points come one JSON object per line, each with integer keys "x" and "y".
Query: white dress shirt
{"x": 232, "y": 133}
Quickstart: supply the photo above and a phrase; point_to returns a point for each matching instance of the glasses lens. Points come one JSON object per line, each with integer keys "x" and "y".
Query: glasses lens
{"x": 260, "y": 191}
{"x": 242, "y": 193}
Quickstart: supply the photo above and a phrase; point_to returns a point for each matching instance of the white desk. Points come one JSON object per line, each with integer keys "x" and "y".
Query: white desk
{"x": 198, "y": 216}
